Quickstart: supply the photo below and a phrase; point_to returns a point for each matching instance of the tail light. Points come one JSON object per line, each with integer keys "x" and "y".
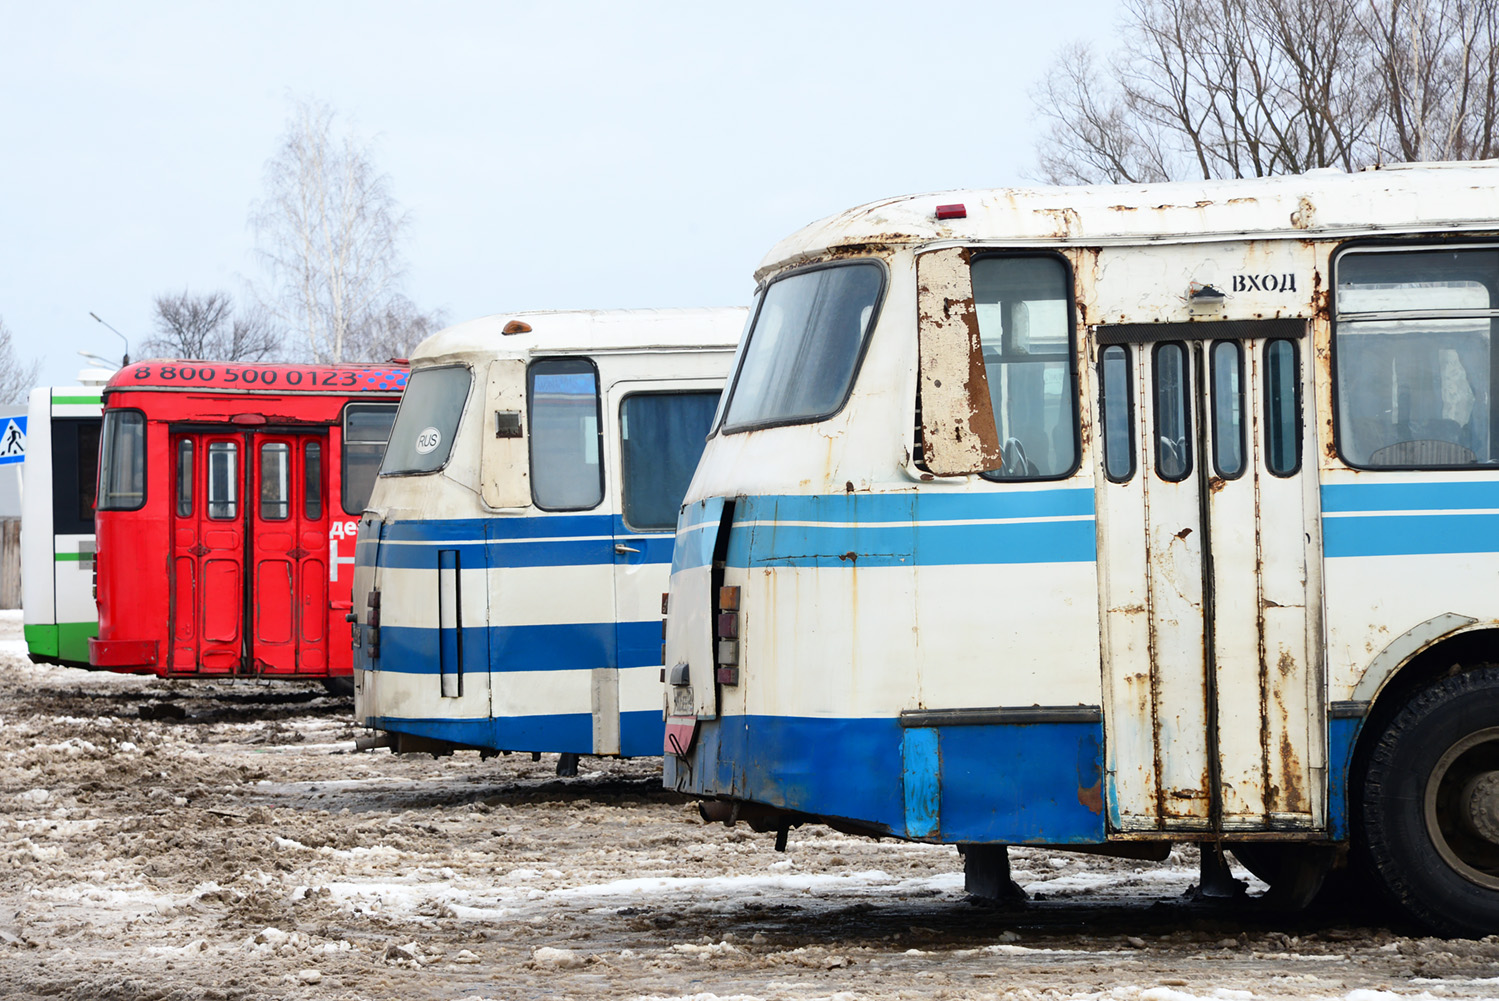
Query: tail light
{"x": 726, "y": 634}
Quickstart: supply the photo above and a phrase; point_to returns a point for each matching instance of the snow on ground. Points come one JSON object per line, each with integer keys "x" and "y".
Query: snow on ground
{"x": 245, "y": 851}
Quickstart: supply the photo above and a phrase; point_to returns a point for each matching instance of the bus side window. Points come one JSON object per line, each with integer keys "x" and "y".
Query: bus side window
{"x": 1024, "y": 310}
{"x": 1282, "y": 408}
{"x": 312, "y": 480}
{"x": 1116, "y": 404}
{"x": 184, "y": 478}
{"x": 223, "y": 480}
{"x": 1228, "y": 408}
{"x": 661, "y": 438}
{"x": 366, "y": 432}
{"x": 1173, "y": 428}
{"x": 563, "y": 398}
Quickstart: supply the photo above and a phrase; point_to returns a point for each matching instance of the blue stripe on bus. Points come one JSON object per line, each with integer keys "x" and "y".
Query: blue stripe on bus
{"x": 1034, "y": 783}
{"x": 1456, "y": 496}
{"x": 572, "y": 646}
{"x": 1410, "y": 535}
{"x": 518, "y": 542}
{"x": 896, "y": 529}
{"x": 640, "y": 732}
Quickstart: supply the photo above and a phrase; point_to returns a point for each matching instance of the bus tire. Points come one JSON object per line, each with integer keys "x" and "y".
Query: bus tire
{"x": 1294, "y": 872}
{"x": 340, "y": 688}
{"x": 1429, "y": 812}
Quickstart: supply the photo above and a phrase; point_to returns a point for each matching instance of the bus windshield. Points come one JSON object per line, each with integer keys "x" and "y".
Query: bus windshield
{"x": 801, "y": 353}
{"x": 122, "y": 461}
{"x": 423, "y": 434}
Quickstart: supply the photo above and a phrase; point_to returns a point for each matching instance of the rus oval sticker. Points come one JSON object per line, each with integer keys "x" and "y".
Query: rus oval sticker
{"x": 429, "y": 439}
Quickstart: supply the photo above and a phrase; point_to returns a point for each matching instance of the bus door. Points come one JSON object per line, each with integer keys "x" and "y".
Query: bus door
{"x": 208, "y": 551}
{"x": 288, "y": 553}
{"x": 663, "y": 427}
{"x": 266, "y": 512}
{"x": 1212, "y": 669}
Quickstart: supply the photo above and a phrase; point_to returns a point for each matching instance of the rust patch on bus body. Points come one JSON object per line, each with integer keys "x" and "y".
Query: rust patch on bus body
{"x": 957, "y": 419}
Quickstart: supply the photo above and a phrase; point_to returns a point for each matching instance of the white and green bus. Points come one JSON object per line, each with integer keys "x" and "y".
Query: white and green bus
{"x": 57, "y": 520}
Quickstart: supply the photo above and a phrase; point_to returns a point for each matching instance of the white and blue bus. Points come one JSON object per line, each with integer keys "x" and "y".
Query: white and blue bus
{"x": 511, "y": 565}
{"x": 1110, "y": 517}
{"x": 57, "y": 520}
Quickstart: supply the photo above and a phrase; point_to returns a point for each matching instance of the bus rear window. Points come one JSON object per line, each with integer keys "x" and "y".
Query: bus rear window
{"x": 422, "y": 437}
{"x": 804, "y": 347}
{"x": 122, "y": 461}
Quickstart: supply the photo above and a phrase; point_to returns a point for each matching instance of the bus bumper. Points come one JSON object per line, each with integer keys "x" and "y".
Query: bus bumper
{"x": 116, "y": 654}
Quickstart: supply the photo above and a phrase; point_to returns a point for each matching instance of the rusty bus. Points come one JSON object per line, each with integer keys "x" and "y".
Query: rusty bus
{"x": 1113, "y": 517}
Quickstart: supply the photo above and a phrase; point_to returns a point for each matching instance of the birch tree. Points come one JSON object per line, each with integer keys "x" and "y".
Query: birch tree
{"x": 1248, "y": 88}
{"x": 328, "y": 232}
{"x": 205, "y": 326}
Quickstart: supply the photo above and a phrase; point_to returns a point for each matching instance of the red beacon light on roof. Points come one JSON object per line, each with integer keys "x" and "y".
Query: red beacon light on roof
{"x": 957, "y": 210}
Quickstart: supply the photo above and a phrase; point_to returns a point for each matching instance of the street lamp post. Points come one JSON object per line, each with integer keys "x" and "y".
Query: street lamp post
{"x": 120, "y": 336}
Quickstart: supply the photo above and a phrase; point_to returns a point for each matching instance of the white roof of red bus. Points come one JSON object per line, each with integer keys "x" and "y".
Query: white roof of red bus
{"x": 587, "y": 330}
{"x": 1392, "y": 199}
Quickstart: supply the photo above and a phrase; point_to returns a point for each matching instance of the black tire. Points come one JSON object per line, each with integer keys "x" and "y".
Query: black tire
{"x": 340, "y": 688}
{"x": 1295, "y": 872}
{"x": 1429, "y": 813}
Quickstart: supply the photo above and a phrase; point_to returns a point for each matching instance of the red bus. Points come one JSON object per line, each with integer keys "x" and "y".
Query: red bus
{"x": 229, "y": 498}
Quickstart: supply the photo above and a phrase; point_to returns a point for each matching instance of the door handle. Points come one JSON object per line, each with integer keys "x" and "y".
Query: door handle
{"x": 621, "y": 549}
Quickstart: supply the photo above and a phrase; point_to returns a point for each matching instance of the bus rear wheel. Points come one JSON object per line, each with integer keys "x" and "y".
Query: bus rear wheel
{"x": 1429, "y": 813}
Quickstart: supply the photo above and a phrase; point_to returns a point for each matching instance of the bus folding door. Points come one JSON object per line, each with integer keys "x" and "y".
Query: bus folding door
{"x": 208, "y": 552}
{"x": 1208, "y": 567}
{"x": 288, "y": 524}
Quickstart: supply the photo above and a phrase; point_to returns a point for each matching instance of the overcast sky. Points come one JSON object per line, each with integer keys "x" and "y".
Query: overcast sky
{"x": 551, "y": 155}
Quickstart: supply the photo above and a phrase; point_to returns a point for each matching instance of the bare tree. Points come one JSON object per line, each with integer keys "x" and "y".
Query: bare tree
{"x": 1438, "y": 63}
{"x": 397, "y": 329}
{"x": 16, "y": 377}
{"x": 328, "y": 232}
{"x": 1244, "y": 88}
{"x": 204, "y": 326}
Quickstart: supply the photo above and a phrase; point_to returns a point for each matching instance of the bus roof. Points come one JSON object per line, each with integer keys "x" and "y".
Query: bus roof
{"x": 1322, "y": 203}
{"x": 592, "y": 330}
{"x": 253, "y": 377}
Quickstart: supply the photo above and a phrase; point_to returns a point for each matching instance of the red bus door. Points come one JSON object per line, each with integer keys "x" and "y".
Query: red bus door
{"x": 289, "y": 553}
{"x": 208, "y": 552}
{"x": 254, "y": 500}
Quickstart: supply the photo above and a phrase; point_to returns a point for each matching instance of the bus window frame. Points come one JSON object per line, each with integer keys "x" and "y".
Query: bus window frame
{"x": 343, "y": 448}
{"x": 732, "y": 385}
{"x": 1129, "y": 414}
{"x": 1426, "y": 242}
{"x": 1243, "y": 402}
{"x": 598, "y": 408}
{"x": 1188, "y": 429}
{"x": 624, "y": 473}
{"x": 1069, "y": 281}
{"x": 1299, "y": 405}
{"x": 457, "y": 426}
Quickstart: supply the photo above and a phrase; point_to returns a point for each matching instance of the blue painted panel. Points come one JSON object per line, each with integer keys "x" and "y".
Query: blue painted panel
{"x": 1023, "y": 784}
{"x": 1446, "y": 496}
{"x": 1342, "y": 735}
{"x": 1410, "y": 535}
{"x": 921, "y": 783}
{"x": 1038, "y": 783}
{"x": 641, "y": 733}
{"x": 697, "y": 530}
{"x": 563, "y": 733}
{"x": 575, "y": 646}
